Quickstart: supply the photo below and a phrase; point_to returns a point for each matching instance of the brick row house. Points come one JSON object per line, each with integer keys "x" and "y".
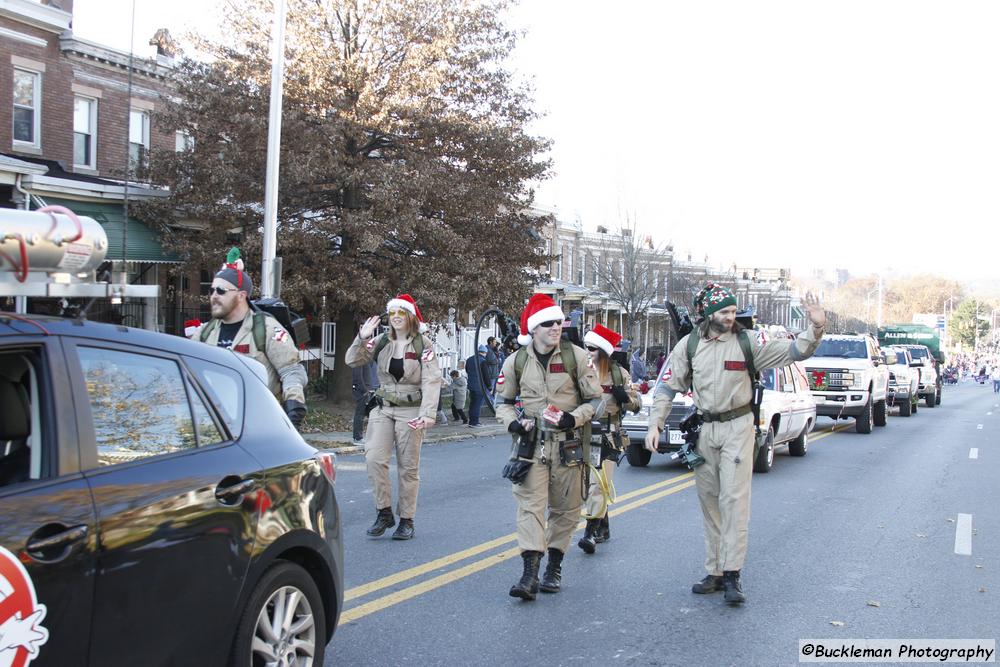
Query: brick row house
{"x": 72, "y": 125}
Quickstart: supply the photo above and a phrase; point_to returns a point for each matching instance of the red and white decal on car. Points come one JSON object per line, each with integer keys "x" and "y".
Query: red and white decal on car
{"x": 500, "y": 379}
{"x": 280, "y": 334}
{"x": 21, "y": 616}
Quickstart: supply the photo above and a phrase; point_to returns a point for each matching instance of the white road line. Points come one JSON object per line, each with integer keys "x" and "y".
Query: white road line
{"x": 979, "y": 427}
{"x": 974, "y": 453}
{"x": 988, "y": 414}
{"x": 963, "y": 535}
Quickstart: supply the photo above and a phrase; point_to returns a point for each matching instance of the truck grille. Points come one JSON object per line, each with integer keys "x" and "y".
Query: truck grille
{"x": 829, "y": 379}
{"x": 677, "y": 413}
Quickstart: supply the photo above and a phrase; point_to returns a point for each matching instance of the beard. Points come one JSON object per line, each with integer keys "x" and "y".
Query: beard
{"x": 717, "y": 326}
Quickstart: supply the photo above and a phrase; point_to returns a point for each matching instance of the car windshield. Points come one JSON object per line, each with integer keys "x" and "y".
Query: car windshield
{"x": 845, "y": 349}
{"x": 918, "y": 352}
{"x": 901, "y": 357}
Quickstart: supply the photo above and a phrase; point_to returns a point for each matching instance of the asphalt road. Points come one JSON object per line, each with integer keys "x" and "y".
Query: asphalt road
{"x": 857, "y": 539}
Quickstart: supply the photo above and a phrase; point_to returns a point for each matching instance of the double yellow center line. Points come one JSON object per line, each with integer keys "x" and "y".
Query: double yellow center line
{"x": 656, "y": 491}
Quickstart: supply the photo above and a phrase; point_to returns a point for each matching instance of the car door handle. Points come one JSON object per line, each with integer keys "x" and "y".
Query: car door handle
{"x": 59, "y": 542}
{"x": 235, "y": 490}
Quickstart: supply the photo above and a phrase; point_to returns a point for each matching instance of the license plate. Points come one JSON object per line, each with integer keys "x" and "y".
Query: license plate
{"x": 676, "y": 438}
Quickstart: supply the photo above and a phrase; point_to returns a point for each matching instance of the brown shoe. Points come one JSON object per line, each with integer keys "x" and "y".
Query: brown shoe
{"x": 710, "y": 584}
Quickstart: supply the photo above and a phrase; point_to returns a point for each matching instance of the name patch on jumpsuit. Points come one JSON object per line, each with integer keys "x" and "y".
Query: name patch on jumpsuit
{"x": 736, "y": 365}
{"x": 557, "y": 368}
{"x": 410, "y": 355}
{"x": 242, "y": 349}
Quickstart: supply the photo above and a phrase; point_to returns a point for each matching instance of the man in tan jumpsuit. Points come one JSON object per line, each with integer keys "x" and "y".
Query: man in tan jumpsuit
{"x": 232, "y": 327}
{"x": 554, "y": 480}
{"x": 722, "y": 393}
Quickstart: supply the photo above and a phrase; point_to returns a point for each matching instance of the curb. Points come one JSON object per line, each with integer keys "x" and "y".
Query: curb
{"x": 349, "y": 448}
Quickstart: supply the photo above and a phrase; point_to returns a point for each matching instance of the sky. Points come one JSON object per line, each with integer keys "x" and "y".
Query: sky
{"x": 855, "y": 134}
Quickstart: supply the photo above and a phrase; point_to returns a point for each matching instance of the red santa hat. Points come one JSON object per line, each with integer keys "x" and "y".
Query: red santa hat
{"x": 603, "y": 337}
{"x": 540, "y": 308}
{"x": 406, "y": 302}
{"x": 191, "y": 328}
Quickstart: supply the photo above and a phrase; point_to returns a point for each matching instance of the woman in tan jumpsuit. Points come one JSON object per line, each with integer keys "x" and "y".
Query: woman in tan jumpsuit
{"x": 410, "y": 384}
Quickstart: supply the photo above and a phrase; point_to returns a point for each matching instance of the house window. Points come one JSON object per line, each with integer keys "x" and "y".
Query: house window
{"x": 183, "y": 141}
{"x": 85, "y": 132}
{"x": 27, "y": 100}
{"x": 138, "y": 141}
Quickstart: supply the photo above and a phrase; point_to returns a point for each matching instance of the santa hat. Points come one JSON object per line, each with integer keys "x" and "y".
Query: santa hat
{"x": 406, "y": 302}
{"x": 233, "y": 273}
{"x": 191, "y": 328}
{"x": 540, "y": 308}
{"x": 603, "y": 337}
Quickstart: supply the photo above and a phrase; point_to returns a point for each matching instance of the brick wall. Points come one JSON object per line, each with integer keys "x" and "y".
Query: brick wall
{"x": 65, "y": 75}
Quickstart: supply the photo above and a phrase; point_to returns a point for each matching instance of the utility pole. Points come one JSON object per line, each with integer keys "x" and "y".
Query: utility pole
{"x": 878, "y": 320}
{"x": 267, "y": 277}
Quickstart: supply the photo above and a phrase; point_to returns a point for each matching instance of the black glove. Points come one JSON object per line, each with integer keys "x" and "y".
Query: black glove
{"x": 567, "y": 421}
{"x": 620, "y": 395}
{"x": 517, "y": 427}
{"x": 516, "y": 471}
{"x": 296, "y": 411}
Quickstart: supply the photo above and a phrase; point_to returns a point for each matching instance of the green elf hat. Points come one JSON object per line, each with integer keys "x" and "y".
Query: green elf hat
{"x": 232, "y": 272}
{"x": 713, "y": 298}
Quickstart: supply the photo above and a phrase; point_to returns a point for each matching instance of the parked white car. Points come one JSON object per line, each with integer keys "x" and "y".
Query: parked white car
{"x": 787, "y": 415}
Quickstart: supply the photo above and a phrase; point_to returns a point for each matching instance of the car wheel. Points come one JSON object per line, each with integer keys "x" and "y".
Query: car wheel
{"x": 800, "y": 445}
{"x": 765, "y": 457}
{"x": 284, "y": 621}
{"x": 930, "y": 399}
{"x": 638, "y": 455}
{"x": 863, "y": 422}
{"x": 906, "y": 408}
{"x": 879, "y": 414}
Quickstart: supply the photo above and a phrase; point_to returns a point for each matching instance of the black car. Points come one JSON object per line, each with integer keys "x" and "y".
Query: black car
{"x": 156, "y": 505}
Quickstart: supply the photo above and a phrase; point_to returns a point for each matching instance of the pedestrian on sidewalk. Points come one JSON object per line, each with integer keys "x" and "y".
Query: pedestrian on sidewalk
{"x": 410, "y": 380}
{"x": 995, "y": 376}
{"x": 363, "y": 384}
{"x": 475, "y": 368}
{"x": 460, "y": 393}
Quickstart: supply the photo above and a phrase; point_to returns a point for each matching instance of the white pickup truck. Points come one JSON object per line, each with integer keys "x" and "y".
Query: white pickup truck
{"x": 929, "y": 387}
{"x": 903, "y": 379}
{"x": 848, "y": 378}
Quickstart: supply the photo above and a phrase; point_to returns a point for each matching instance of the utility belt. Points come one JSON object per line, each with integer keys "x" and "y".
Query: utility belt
{"x": 411, "y": 399}
{"x": 728, "y": 415}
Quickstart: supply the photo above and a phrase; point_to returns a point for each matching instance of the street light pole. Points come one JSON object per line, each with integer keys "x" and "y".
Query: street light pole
{"x": 267, "y": 278}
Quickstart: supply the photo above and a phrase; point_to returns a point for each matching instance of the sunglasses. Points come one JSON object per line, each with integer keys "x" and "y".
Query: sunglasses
{"x": 393, "y": 313}
{"x": 549, "y": 323}
{"x": 591, "y": 348}
{"x": 221, "y": 291}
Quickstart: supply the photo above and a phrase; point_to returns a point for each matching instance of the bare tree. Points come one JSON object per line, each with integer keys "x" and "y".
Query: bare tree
{"x": 632, "y": 270}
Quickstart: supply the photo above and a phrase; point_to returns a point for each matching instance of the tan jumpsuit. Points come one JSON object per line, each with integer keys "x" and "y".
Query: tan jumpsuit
{"x": 414, "y": 395}
{"x": 613, "y": 413}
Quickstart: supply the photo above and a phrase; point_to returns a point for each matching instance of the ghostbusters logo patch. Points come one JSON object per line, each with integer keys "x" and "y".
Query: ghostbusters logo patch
{"x": 500, "y": 379}
{"x": 21, "y": 616}
{"x": 428, "y": 355}
{"x": 280, "y": 334}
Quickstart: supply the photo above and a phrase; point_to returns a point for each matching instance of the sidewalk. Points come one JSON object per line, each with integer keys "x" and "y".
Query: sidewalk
{"x": 342, "y": 441}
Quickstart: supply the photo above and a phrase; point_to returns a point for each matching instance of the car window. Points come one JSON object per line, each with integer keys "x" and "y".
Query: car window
{"x": 208, "y": 431}
{"x": 800, "y": 377}
{"x": 21, "y": 427}
{"x": 787, "y": 384}
{"x": 225, "y": 389}
{"x": 843, "y": 348}
{"x": 138, "y": 403}
{"x": 767, "y": 377}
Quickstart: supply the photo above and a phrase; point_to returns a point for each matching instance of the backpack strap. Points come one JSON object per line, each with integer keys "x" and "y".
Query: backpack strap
{"x": 260, "y": 331}
{"x": 744, "y": 339}
{"x": 520, "y": 359}
{"x": 418, "y": 345}
{"x": 617, "y": 376}
{"x": 206, "y": 330}
{"x": 568, "y": 358}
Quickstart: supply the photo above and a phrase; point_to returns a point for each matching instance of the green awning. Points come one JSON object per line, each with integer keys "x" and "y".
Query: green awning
{"x": 143, "y": 243}
{"x": 797, "y": 314}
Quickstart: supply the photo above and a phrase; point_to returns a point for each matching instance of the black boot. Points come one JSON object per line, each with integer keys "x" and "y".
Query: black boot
{"x": 383, "y": 522}
{"x": 712, "y": 583}
{"x": 603, "y": 533}
{"x": 587, "y": 542}
{"x": 552, "y": 578}
{"x": 405, "y": 530}
{"x": 527, "y": 587}
{"x": 734, "y": 592}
